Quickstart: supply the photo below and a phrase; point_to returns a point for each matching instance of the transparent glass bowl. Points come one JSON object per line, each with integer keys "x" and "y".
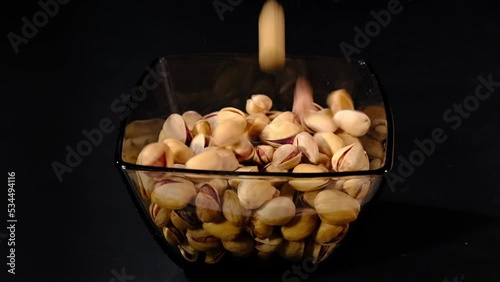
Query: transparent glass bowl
{"x": 206, "y": 84}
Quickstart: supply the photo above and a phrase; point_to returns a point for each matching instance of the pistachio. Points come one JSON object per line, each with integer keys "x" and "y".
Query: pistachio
{"x": 309, "y": 184}
{"x": 259, "y": 103}
{"x": 243, "y": 149}
{"x": 379, "y": 129}
{"x": 212, "y": 257}
{"x": 258, "y": 229}
{"x": 173, "y": 235}
{"x": 288, "y": 191}
{"x": 228, "y": 159}
{"x": 263, "y": 155}
{"x": 255, "y": 125}
{"x": 188, "y": 252}
{"x": 146, "y": 184}
{"x": 335, "y": 207}
{"x": 208, "y": 205}
{"x": 232, "y": 114}
{"x": 350, "y": 158}
{"x": 347, "y": 138}
{"x": 284, "y": 116}
{"x": 306, "y": 143}
{"x": 287, "y": 157}
{"x": 354, "y": 186}
{"x": 205, "y": 160}
{"x": 320, "y": 252}
{"x": 227, "y": 132}
{"x": 240, "y": 247}
{"x": 234, "y": 182}
{"x": 180, "y": 151}
{"x": 277, "y": 211}
{"x": 307, "y": 198}
{"x": 272, "y": 114}
{"x": 175, "y": 128}
{"x": 271, "y": 167}
{"x": 199, "y": 142}
{"x": 292, "y": 251}
{"x": 219, "y": 184}
{"x": 271, "y": 40}
{"x": 318, "y": 122}
{"x": 339, "y": 100}
{"x": 155, "y": 154}
{"x": 325, "y": 161}
{"x": 173, "y": 194}
{"x": 211, "y": 118}
{"x": 202, "y": 127}
{"x": 372, "y": 147}
{"x": 160, "y": 216}
{"x": 301, "y": 225}
{"x": 330, "y": 234}
{"x": 223, "y": 230}
{"x": 270, "y": 244}
{"x": 200, "y": 240}
{"x": 184, "y": 218}
{"x": 355, "y": 123}
{"x": 233, "y": 211}
{"x": 375, "y": 164}
{"x": 328, "y": 143}
{"x": 190, "y": 118}
{"x": 254, "y": 193}
{"x": 279, "y": 133}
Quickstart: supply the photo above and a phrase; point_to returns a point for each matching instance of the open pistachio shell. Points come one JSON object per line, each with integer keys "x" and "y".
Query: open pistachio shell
{"x": 188, "y": 252}
{"x": 287, "y": 157}
{"x": 255, "y": 125}
{"x": 258, "y": 229}
{"x": 173, "y": 235}
{"x": 175, "y": 128}
{"x": 233, "y": 211}
{"x": 184, "y": 218}
{"x": 259, "y": 103}
{"x": 202, "y": 127}
{"x": 306, "y": 143}
{"x": 350, "y": 158}
{"x": 180, "y": 151}
{"x": 208, "y": 204}
{"x": 200, "y": 240}
{"x": 160, "y": 216}
{"x": 190, "y": 118}
{"x": 328, "y": 143}
{"x": 279, "y": 133}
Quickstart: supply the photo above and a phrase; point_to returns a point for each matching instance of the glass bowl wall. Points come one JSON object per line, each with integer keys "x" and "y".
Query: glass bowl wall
{"x": 207, "y": 83}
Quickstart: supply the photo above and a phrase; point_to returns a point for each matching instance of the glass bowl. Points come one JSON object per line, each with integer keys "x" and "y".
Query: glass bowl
{"x": 199, "y": 230}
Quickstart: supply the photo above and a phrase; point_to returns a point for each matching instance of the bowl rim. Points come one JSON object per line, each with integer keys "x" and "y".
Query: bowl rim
{"x": 389, "y": 158}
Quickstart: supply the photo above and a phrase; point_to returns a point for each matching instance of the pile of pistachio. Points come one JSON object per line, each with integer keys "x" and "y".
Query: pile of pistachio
{"x": 207, "y": 218}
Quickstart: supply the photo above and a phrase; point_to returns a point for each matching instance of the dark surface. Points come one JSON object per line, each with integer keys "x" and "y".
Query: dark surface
{"x": 441, "y": 224}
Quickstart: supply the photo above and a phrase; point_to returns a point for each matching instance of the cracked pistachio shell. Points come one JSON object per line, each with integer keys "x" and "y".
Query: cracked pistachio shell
{"x": 155, "y": 154}
{"x": 318, "y": 122}
{"x": 214, "y": 256}
{"x": 259, "y": 103}
{"x": 233, "y": 211}
{"x": 228, "y": 132}
{"x": 254, "y": 193}
{"x": 243, "y": 149}
{"x": 190, "y": 118}
{"x": 255, "y": 125}
{"x": 335, "y": 207}
{"x": 173, "y": 195}
{"x": 329, "y": 233}
{"x": 307, "y": 198}
{"x": 173, "y": 235}
{"x": 230, "y": 113}
{"x": 287, "y": 157}
{"x": 263, "y": 155}
{"x": 184, "y": 218}
{"x": 188, "y": 252}
{"x": 208, "y": 204}
{"x": 277, "y": 211}
{"x": 200, "y": 240}
{"x": 258, "y": 229}
{"x": 373, "y": 147}
{"x": 270, "y": 244}
{"x": 202, "y": 127}
{"x": 211, "y": 118}
{"x": 205, "y": 160}
{"x": 356, "y": 186}
{"x": 240, "y": 247}
{"x": 160, "y": 216}
{"x": 306, "y": 143}
{"x": 355, "y": 123}
{"x": 325, "y": 161}
{"x": 328, "y": 143}
{"x": 339, "y": 100}
{"x": 292, "y": 251}
{"x": 180, "y": 151}
{"x": 199, "y": 142}
{"x": 175, "y": 128}
{"x": 279, "y": 133}
{"x": 301, "y": 225}
{"x": 223, "y": 230}
{"x": 350, "y": 158}
{"x": 308, "y": 184}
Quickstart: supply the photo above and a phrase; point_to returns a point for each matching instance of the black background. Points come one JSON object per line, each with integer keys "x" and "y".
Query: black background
{"x": 441, "y": 224}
